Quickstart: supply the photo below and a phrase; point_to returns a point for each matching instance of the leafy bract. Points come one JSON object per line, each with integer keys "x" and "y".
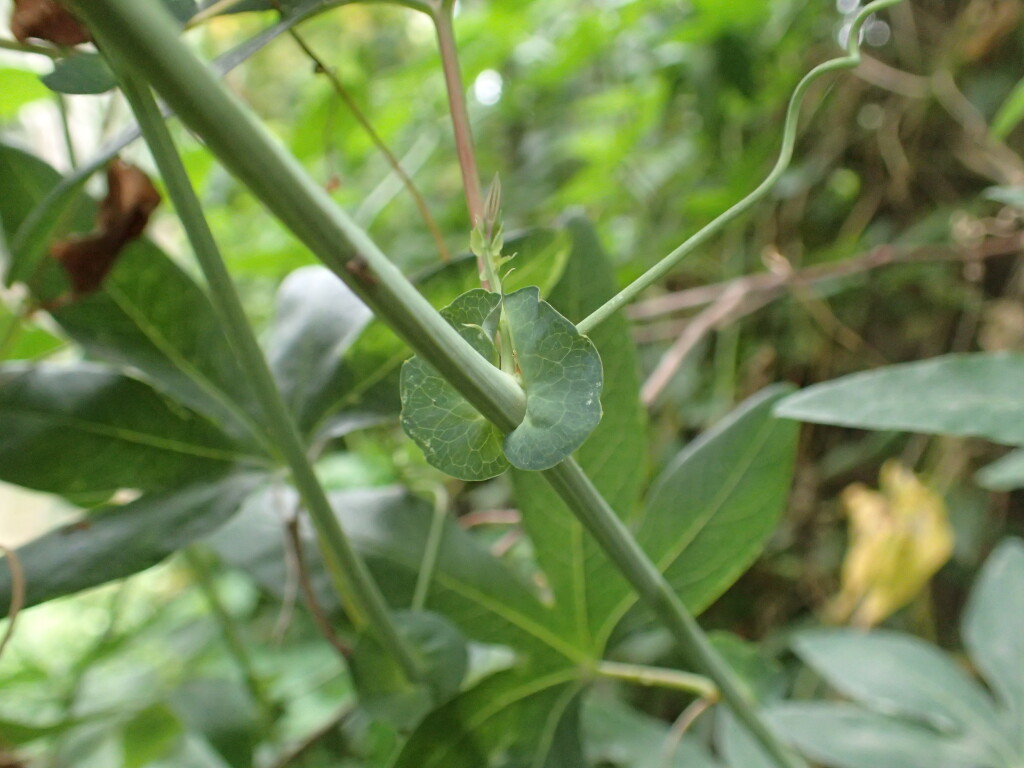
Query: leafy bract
{"x": 969, "y": 395}
{"x": 120, "y": 540}
{"x": 561, "y": 374}
{"x": 84, "y": 429}
{"x": 453, "y": 435}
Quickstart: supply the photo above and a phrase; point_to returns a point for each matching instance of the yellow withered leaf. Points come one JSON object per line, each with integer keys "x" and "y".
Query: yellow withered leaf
{"x": 899, "y": 537}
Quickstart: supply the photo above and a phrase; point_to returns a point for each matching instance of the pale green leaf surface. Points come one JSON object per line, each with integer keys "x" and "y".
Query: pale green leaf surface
{"x": 614, "y": 456}
{"x": 562, "y": 376}
{"x": 318, "y": 319}
{"x": 1005, "y": 474}
{"x": 712, "y": 508}
{"x": 840, "y": 735}
{"x": 968, "y": 395}
{"x": 993, "y": 629}
{"x": 80, "y": 73}
{"x": 896, "y": 673}
{"x": 84, "y": 429}
{"x": 118, "y": 541}
{"x": 453, "y": 435}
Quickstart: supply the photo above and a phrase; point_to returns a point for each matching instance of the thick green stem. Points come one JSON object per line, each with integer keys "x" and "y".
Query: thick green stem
{"x": 667, "y": 264}
{"x": 143, "y": 33}
{"x": 657, "y": 677}
{"x": 580, "y": 495}
{"x": 353, "y": 582}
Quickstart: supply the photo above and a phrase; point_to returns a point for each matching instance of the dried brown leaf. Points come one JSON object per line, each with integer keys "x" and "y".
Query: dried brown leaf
{"x": 46, "y": 20}
{"x": 122, "y": 217}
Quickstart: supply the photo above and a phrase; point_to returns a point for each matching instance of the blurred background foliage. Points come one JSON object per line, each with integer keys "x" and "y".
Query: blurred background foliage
{"x": 652, "y": 117}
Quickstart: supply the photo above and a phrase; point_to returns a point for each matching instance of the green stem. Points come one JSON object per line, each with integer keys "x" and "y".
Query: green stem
{"x": 657, "y": 677}
{"x": 667, "y": 264}
{"x": 586, "y": 502}
{"x": 143, "y": 34}
{"x": 43, "y": 50}
{"x": 352, "y": 579}
{"x": 229, "y": 631}
{"x": 431, "y": 549}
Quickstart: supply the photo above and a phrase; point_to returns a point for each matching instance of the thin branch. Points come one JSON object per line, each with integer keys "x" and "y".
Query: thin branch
{"x": 294, "y": 542}
{"x": 431, "y": 549}
{"x": 659, "y": 677}
{"x": 375, "y": 137}
{"x": 17, "y": 594}
{"x": 491, "y": 517}
{"x": 702, "y": 236}
{"x": 43, "y": 50}
{"x": 679, "y": 729}
{"x": 775, "y": 284}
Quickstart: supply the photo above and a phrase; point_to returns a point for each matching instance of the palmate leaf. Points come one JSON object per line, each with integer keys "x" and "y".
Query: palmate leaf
{"x": 148, "y": 315}
{"x": 117, "y": 541}
{"x": 85, "y": 429}
{"x": 969, "y": 395}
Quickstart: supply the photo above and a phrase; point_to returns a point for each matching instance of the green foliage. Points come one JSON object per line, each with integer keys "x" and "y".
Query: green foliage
{"x": 81, "y": 73}
{"x": 915, "y": 706}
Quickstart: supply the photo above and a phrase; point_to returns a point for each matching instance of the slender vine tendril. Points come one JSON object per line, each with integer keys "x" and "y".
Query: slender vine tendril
{"x": 667, "y": 264}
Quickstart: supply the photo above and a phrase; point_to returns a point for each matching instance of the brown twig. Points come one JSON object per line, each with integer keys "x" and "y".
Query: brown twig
{"x": 17, "y": 594}
{"x": 680, "y": 727}
{"x": 316, "y": 611}
{"x": 378, "y": 142}
{"x": 490, "y": 517}
{"x": 718, "y": 313}
{"x": 775, "y": 284}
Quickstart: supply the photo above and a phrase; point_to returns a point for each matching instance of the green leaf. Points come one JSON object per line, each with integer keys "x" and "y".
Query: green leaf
{"x": 150, "y": 316}
{"x": 118, "y": 541}
{"x": 19, "y": 88}
{"x": 84, "y": 429}
{"x": 513, "y": 716}
{"x": 318, "y": 319}
{"x": 27, "y": 180}
{"x": 895, "y": 673}
{"x": 1005, "y": 474}
{"x": 617, "y": 734}
{"x": 993, "y": 629}
{"x": 614, "y": 456}
{"x": 1010, "y": 113}
{"x": 711, "y": 510}
{"x": 222, "y": 711}
{"x": 479, "y": 593}
{"x": 845, "y": 736}
{"x": 80, "y": 73}
{"x": 562, "y": 376}
{"x": 149, "y": 735}
{"x": 453, "y": 435}
{"x": 384, "y": 690}
{"x": 972, "y": 395}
